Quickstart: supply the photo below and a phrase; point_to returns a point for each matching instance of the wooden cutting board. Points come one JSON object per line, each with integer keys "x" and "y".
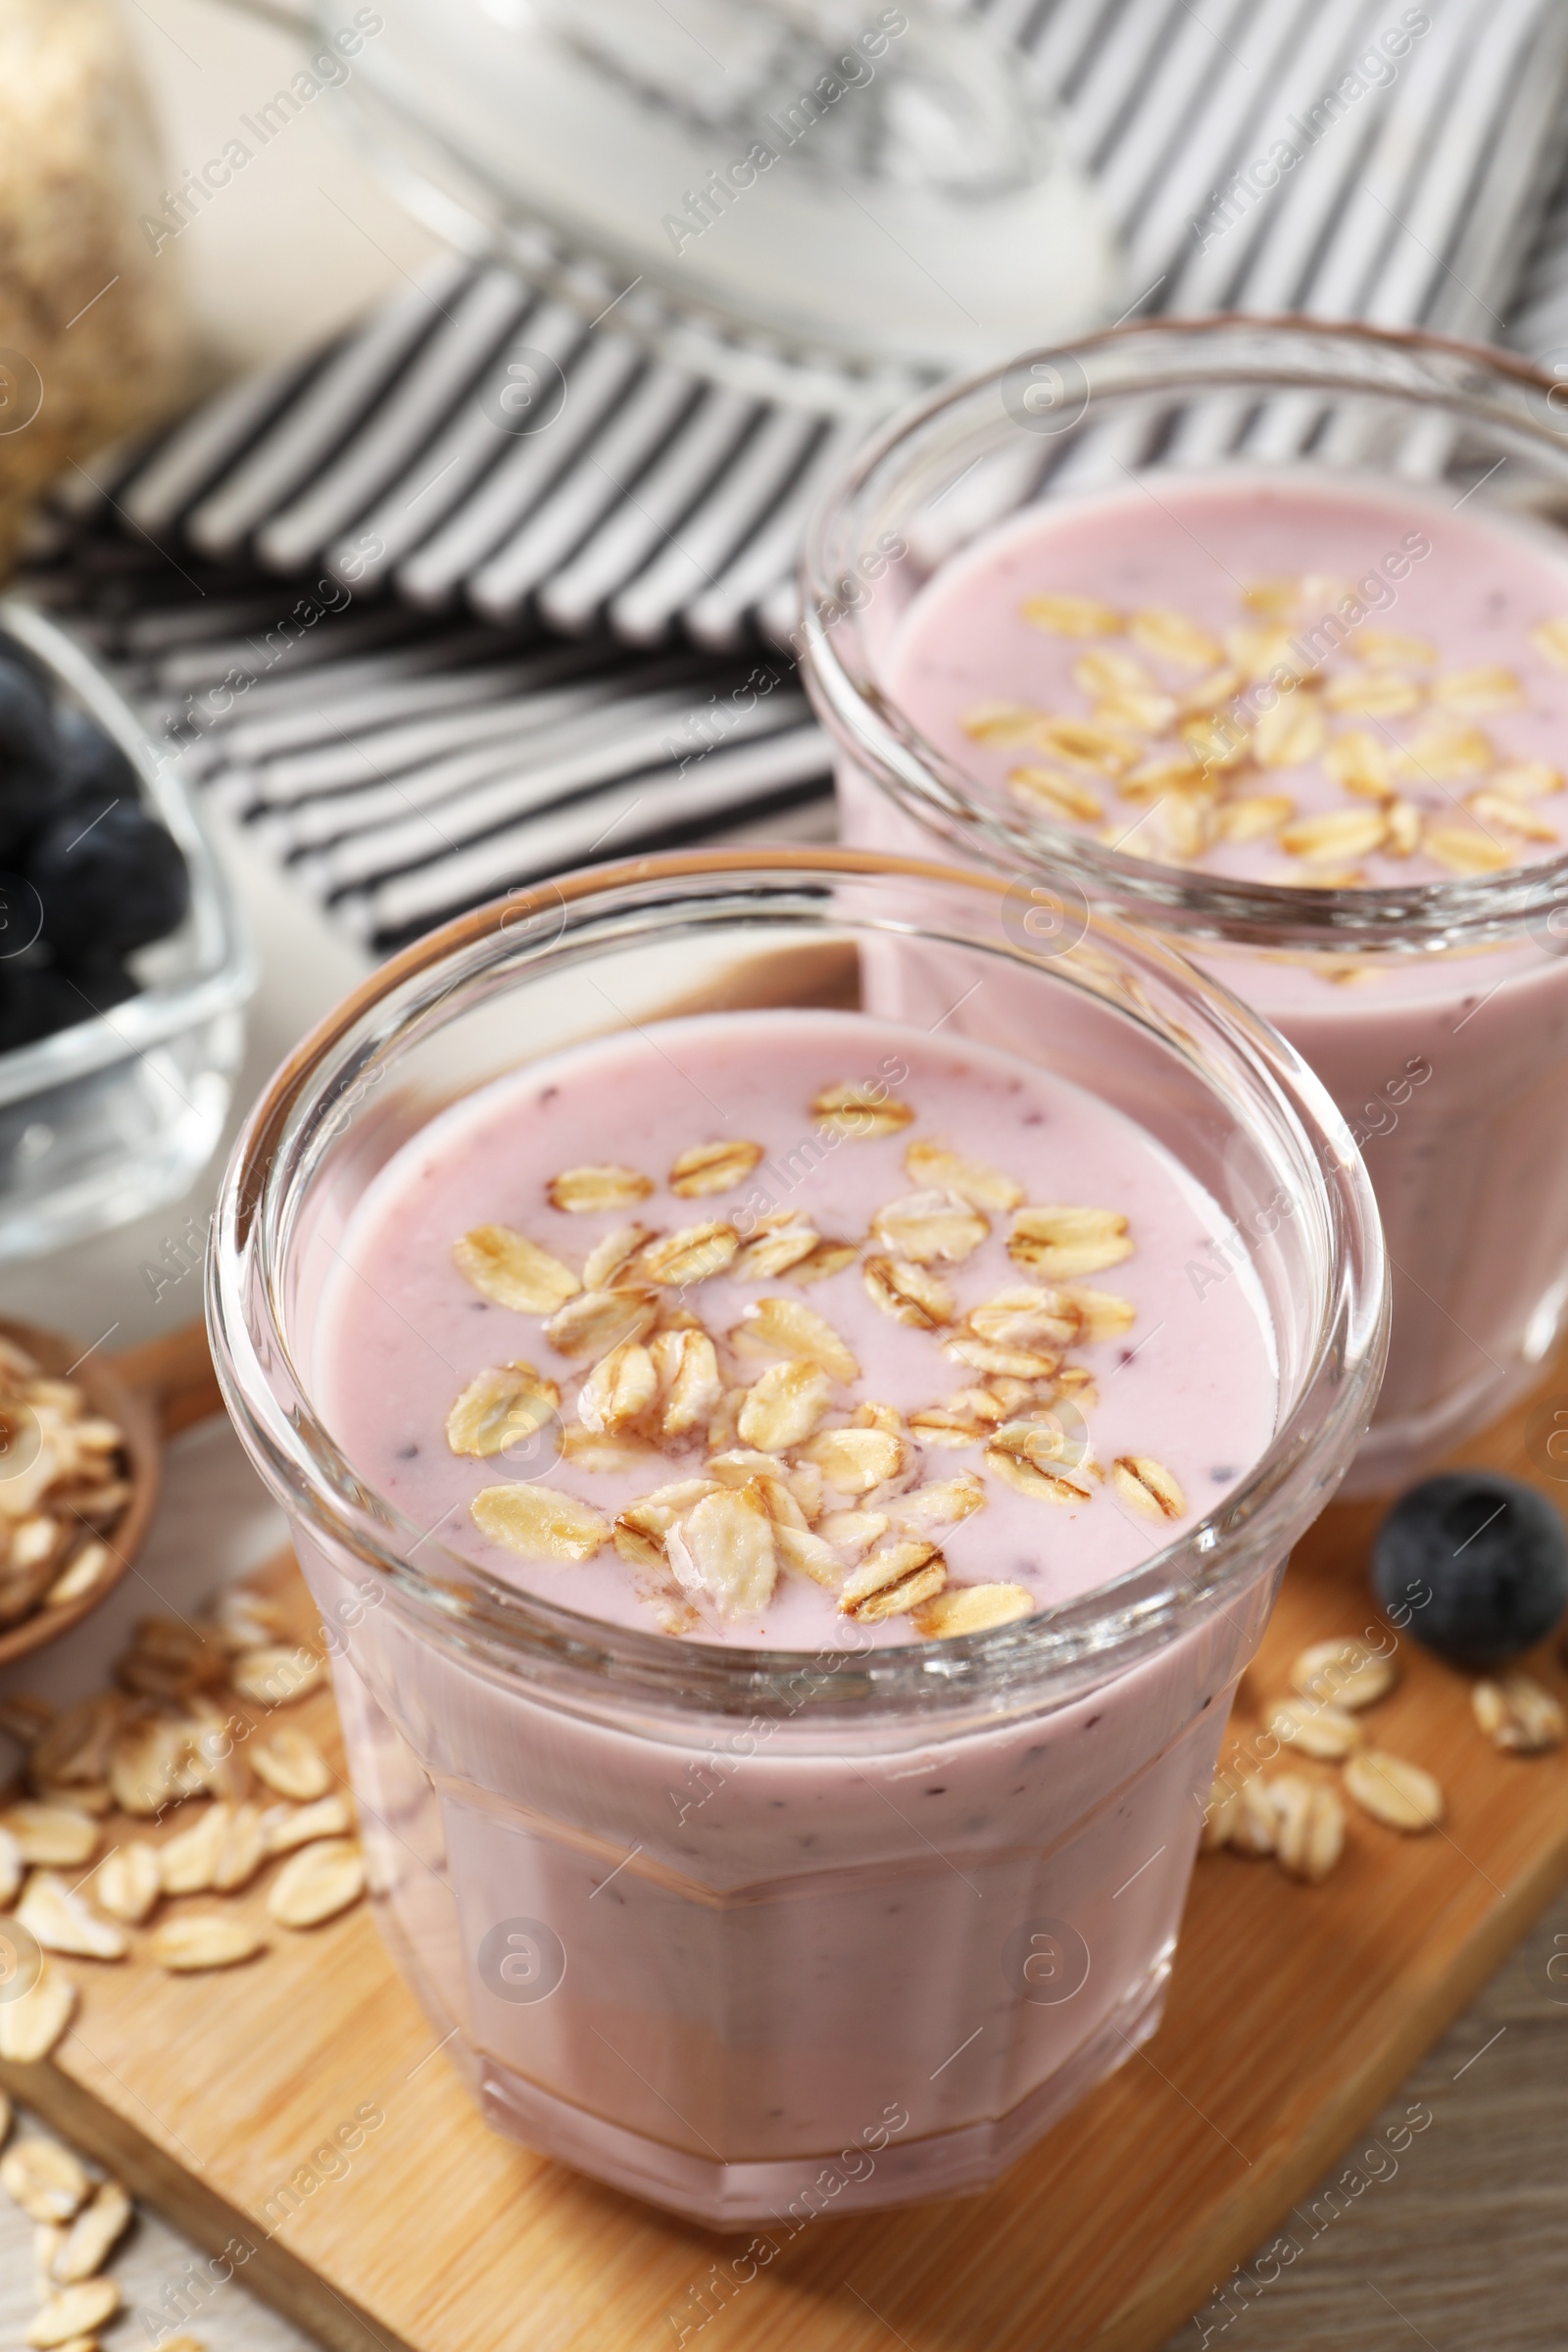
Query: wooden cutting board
{"x": 299, "y": 2113}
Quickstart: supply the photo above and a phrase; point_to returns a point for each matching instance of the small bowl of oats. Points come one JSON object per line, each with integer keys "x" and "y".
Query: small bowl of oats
{"x": 80, "y": 1466}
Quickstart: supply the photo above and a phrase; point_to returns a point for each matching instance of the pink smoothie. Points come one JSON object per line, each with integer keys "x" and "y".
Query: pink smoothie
{"x": 761, "y": 1968}
{"x": 1329, "y": 688}
{"x": 1138, "y": 1364}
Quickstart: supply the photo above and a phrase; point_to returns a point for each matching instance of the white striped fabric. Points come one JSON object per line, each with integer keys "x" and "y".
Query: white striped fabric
{"x": 345, "y": 584}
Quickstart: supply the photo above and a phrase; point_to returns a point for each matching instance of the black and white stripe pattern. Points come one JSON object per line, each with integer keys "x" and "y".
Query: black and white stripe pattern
{"x": 434, "y": 740}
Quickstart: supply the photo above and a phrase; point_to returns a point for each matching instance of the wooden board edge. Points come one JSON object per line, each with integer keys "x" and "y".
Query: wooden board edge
{"x": 269, "y": 2272}
{"x": 1242, "y": 2223}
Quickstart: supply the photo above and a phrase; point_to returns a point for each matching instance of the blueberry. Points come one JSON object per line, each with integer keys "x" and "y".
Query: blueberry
{"x": 92, "y": 762}
{"x": 111, "y": 878}
{"x": 101, "y": 982}
{"x": 28, "y": 753}
{"x": 1491, "y": 1553}
{"x": 35, "y": 1002}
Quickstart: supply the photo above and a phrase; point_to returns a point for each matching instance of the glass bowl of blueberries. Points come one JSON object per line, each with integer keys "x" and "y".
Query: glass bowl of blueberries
{"x": 124, "y": 966}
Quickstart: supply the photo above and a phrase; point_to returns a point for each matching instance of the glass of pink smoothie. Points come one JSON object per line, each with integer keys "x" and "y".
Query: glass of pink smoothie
{"x": 1257, "y": 631}
{"x": 788, "y": 1494}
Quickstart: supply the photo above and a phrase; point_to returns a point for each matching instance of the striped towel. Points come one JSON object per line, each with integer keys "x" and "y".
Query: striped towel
{"x": 428, "y": 659}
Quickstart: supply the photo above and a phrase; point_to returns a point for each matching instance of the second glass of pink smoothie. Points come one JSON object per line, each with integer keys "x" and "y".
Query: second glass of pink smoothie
{"x": 1257, "y": 631}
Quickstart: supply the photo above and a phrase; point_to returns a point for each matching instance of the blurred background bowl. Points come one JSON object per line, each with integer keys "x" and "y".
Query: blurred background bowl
{"x": 108, "y": 1394}
{"x": 117, "y": 1114}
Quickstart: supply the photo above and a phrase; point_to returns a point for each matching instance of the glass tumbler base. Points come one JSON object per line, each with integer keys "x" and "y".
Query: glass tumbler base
{"x": 786, "y": 2189}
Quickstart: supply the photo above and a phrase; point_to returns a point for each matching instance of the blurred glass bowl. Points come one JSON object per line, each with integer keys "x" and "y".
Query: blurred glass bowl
{"x": 115, "y": 1116}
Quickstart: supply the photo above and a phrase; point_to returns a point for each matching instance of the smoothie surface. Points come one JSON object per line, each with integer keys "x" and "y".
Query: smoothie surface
{"x": 878, "y": 1317}
{"x": 1269, "y": 679}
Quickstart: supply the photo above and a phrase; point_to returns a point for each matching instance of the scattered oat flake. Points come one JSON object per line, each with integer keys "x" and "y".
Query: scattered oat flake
{"x": 1551, "y": 639}
{"x": 1253, "y": 816}
{"x": 640, "y": 1528}
{"x": 1393, "y": 649}
{"x": 859, "y": 1111}
{"x": 928, "y": 1225}
{"x": 1518, "y": 1713}
{"x": 1343, "y": 1673}
{"x": 30, "y": 2025}
{"x": 1064, "y": 795}
{"x": 1337, "y": 834}
{"x": 1362, "y": 763}
{"x": 539, "y": 1523}
{"x": 970, "y": 1609}
{"x": 1001, "y": 723}
{"x": 810, "y": 1555}
{"x": 857, "y": 1461}
{"x": 1290, "y": 734}
{"x": 937, "y": 1168}
{"x": 316, "y": 1883}
{"x": 1399, "y": 1794}
{"x": 610, "y": 1257}
{"x": 83, "y": 1573}
{"x": 1065, "y": 1241}
{"x": 1373, "y": 694}
{"x": 584, "y": 1191}
{"x": 1034, "y": 1459}
{"x": 622, "y": 1386}
{"x": 942, "y": 1504}
{"x": 908, "y": 1293}
{"x": 513, "y": 1271}
{"x": 1526, "y": 780}
{"x": 92, "y": 2236}
{"x": 47, "y": 2179}
{"x": 1478, "y": 691}
{"x": 783, "y": 1406}
{"x": 1091, "y": 744}
{"x": 1148, "y": 1487}
{"x": 64, "y": 1921}
{"x": 724, "y": 1551}
{"x": 1463, "y": 850}
{"x": 203, "y": 1940}
{"x": 1109, "y": 671}
{"x": 1315, "y": 1728}
{"x": 713, "y": 1168}
{"x": 1028, "y": 1316}
{"x": 771, "y": 1253}
{"x": 787, "y": 1327}
{"x": 129, "y": 1882}
{"x": 595, "y": 1321}
{"x": 828, "y": 1257}
{"x": 894, "y": 1581}
{"x": 1172, "y": 637}
{"x": 686, "y": 1367}
{"x": 1445, "y": 752}
{"x": 1309, "y": 1826}
{"x": 695, "y": 1254}
{"x": 291, "y": 1826}
{"x": 501, "y": 1406}
{"x": 188, "y": 1862}
{"x": 277, "y": 1678}
{"x": 51, "y": 1834}
{"x": 290, "y": 1763}
{"x": 75, "y": 2311}
{"x": 1492, "y": 807}
{"x": 1255, "y": 1824}
{"x": 1063, "y": 616}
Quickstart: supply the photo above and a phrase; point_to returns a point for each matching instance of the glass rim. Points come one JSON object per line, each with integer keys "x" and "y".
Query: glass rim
{"x": 1394, "y": 918}
{"x": 459, "y": 1602}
